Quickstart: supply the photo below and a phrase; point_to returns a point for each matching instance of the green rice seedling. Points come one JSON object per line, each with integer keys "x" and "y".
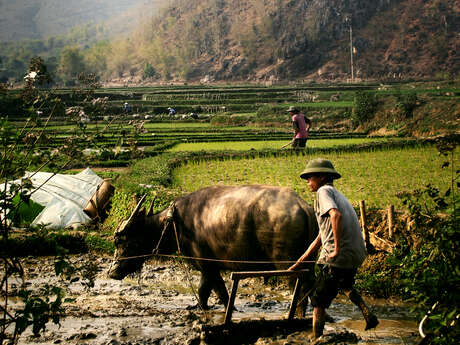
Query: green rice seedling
{"x": 375, "y": 176}
{"x": 259, "y": 145}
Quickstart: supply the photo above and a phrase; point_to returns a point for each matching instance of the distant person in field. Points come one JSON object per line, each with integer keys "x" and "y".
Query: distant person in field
{"x": 127, "y": 107}
{"x": 341, "y": 243}
{"x": 172, "y": 111}
{"x": 301, "y": 125}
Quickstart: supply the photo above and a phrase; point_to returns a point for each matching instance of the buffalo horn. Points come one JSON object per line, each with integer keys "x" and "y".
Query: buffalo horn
{"x": 128, "y": 222}
{"x": 150, "y": 212}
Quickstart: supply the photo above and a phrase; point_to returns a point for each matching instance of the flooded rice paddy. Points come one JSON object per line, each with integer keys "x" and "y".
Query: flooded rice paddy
{"x": 153, "y": 307}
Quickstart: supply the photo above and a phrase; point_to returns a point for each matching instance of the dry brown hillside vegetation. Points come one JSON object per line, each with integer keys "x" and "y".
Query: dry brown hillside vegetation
{"x": 272, "y": 40}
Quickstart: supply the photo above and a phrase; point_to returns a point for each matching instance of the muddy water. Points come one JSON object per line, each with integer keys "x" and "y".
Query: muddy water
{"x": 153, "y": 308}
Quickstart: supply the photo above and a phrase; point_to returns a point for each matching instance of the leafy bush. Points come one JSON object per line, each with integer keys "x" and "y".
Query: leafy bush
{"x": 11, "y": 105}
{"x": 149, "y": 71}
{"x": 430, "y": 267}
{"x": 407, "y": 104}
{"x": 365, "y": 106}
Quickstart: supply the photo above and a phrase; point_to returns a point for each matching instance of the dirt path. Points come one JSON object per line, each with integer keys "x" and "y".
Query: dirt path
{"x": 151, "y": 308}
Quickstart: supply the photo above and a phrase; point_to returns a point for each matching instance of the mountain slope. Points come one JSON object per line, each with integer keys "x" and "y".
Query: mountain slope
{"x": 38, "y": 19}
{"x": 302, "y": 39}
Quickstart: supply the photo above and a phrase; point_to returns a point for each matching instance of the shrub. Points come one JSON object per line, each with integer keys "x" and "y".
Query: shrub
{"x": 149, "y": 71}
{"x": 430, "y": 267}
{"x": 407, "y": 104}
{"x": 365, "y": 106}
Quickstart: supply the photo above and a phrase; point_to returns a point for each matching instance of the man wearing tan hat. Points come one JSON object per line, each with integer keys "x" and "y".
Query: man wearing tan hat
{"x": 341, "y": 242}
{"x": 301, "y": 125}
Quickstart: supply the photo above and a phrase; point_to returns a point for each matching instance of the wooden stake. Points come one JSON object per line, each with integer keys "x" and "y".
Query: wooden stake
{"x": 362, "y": 209}
{"x": 391, "y": 211}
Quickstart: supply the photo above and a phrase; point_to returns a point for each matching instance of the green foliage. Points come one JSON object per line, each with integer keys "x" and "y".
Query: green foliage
{"x": 26, "y": 210}
{"x": 38, "y": 241}
{"x": 149, "y": 71}
{"x": 365, "y": 106}
{"x": 430, "y": 267}
{"x": 41, "y": 75}
{"x": 407, "y": 103}
{"x": 38, "y": 310}
{"x": 96, "y": 243}
{"x": 154, "y": 171}
{"x": 122, "y": 202}
{"x": 10, "y": 104}
{"x": 71, "y": 65}
{"x": 20, "y": 151}
{"x": 381, "y": 284}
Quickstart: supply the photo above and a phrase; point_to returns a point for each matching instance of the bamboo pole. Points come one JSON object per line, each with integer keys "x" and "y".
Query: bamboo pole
{"x": 362, "y": 209}
{"x": 391, "y": 211}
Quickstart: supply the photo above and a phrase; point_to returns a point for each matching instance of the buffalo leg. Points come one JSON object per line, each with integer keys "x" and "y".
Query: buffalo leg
{"x": 220, "y": 289}
{"x": 212, "y": 280}
{"x": 204, "y": 290}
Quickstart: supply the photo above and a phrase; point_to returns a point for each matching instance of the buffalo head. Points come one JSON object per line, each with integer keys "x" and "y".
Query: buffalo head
{"x": 133, "y": 241}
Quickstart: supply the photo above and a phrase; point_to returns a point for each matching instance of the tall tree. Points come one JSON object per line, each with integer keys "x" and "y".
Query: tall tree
{"x": 72, "y": 63}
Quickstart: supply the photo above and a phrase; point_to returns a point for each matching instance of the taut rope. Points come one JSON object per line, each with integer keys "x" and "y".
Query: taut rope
{"x": 214, "y": 260}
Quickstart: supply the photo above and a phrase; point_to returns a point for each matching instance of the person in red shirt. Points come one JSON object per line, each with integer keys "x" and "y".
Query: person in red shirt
{"x": 301, "y": 125}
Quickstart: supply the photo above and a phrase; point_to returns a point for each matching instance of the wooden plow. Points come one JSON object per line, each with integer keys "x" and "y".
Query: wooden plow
{"x": 237, "y": 276}
{"x": 248, "y": 331}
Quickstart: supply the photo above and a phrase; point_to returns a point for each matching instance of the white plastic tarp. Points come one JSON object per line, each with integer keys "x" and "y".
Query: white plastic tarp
{"x": 64, "y": 197}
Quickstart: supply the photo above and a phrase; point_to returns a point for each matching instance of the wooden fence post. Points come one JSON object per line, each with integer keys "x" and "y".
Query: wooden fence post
{"x": 391, "y": 211}
{"x": 362, "y": 209}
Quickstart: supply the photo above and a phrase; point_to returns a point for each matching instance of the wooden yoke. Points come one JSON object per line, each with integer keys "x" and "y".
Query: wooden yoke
{"x": 236, "y": 276}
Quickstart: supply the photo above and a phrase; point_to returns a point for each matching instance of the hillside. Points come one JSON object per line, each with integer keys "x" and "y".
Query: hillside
{"x": 39, "y": 19}
{"x": 270, "y": 40}
{"x": 263, "y": 41}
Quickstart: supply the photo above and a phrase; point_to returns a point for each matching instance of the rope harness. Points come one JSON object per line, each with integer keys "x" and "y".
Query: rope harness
{"x": 168, "y": 221}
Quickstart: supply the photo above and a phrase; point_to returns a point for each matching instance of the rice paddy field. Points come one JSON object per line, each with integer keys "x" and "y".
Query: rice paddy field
{"x": 375, "y": 177}
{"x": 272, "y": 144}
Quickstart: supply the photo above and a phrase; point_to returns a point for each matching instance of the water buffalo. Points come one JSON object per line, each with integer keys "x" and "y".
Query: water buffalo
{"x": 247, "y": 223}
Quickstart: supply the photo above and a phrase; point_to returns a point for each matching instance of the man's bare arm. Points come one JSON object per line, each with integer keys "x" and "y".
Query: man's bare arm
{"x": 337, "y": 230}
{"x": 312, "y": 248}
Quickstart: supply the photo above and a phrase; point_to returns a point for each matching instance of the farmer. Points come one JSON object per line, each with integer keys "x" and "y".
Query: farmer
{"x": 341, "y": 242}
{"x": 172, "y": 111}
{"x": 301, "y": 125}
{"x": 127, "y": 107}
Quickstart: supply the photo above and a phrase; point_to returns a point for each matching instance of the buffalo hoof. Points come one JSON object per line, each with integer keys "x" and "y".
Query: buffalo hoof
{"x": 372, "y": 322}
{"x": 197, "y": 306}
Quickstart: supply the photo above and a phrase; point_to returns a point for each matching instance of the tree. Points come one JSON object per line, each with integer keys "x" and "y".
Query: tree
{"x": 365, "y": 106}
{"x": 149, "y": 71}
{"x": 39, "y": 71}
{"x": 122, "y": 58}
{"x": 96, "y": 58}
{"x": 71, "y": 64}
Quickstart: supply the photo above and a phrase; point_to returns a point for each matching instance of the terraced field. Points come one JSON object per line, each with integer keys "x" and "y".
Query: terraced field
{"x": 273, "y": 144}
{"x": 374, "y": 176}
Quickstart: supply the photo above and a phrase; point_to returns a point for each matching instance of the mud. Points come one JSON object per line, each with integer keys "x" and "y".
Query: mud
{"x": 153, "y": 308}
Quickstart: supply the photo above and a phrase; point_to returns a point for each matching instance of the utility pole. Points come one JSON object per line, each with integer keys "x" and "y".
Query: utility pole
{"x": 351, "y": 53}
